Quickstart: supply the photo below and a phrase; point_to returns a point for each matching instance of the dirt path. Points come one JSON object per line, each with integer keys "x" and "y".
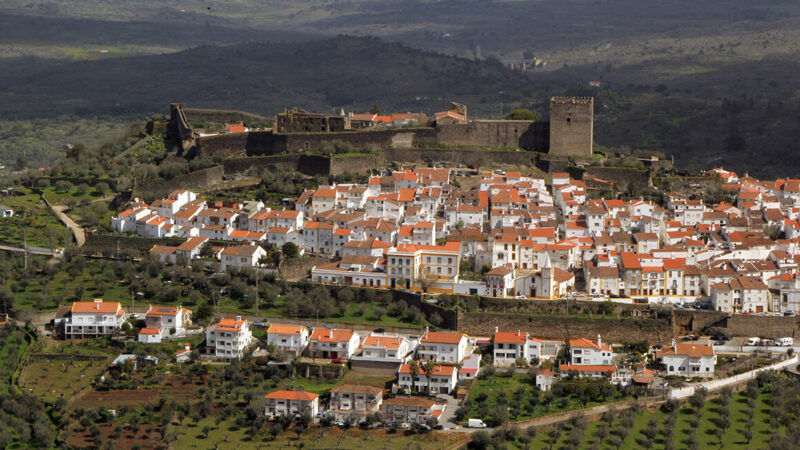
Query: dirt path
{"x": 77, "y": 230}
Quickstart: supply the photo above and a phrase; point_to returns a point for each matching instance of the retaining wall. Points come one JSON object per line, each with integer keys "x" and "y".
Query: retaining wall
{"x": 715, "y": 385}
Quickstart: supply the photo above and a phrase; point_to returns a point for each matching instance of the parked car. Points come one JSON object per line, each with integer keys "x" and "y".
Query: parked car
{"x": 337, "y": 361}
{"x": 753, "y": 341}
{"x": 788, "y": 313}
{"x": 404, "y": 426}
{"x": 785, "y": 342}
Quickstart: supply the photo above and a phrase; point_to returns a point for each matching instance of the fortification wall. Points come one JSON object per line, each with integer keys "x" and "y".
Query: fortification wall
{"x": 563, "y": 327}
{"x": 200, "y": 179}
{"x": 307, "y": 164}
{"x": 527, "y": 134}
{"x": 467, "y": 157}
{"x": 737, "y": 324}
{"x": 565, "y": 307}
{"x": 354, "y": 164}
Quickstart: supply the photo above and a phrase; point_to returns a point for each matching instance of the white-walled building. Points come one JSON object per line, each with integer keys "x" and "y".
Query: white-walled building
{"x": 508, "y": 346}
{"x": 689, "y": 360}
{"x": 289, "y": 403}
{"x": 351, "y": 400}
{"x": 164, "y": 321}
{"x": 332, "y": 343}
{"x": 229, "y": 338}
{"x": 291, "y": 339}
{"x": 93, "y": 319}
{"x": 443, "y": 379}
{"x": 442, "y": 346}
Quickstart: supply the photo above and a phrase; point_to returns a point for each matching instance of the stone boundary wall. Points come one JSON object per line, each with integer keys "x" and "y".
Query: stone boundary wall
{"x": 561, "y": 307}
{"x": 621, "y": 176}
{"x": 569, "y": 327}
{"x": 105, "y": 243}
{"x": 51, "y": 356}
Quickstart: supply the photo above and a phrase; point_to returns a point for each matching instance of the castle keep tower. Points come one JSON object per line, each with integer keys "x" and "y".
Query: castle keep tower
{"x": 571, "y": 126}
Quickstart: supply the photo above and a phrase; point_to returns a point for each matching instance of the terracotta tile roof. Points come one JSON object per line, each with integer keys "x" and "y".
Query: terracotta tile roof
{"x": 691, "y": 350}
{"x": 442, "y": 337}
{"x": 331, "y": 335}
{"x": 285, "y": 329}
{"x": 586, "y": 368}
{"x": 389, "y": 342}
{"x": 438, "y": 370}
{"x": 96, "y": 307}
{"x": 356, "y": 389}
{"x": 586, "y": 343}
{"x": 292, "y": 395}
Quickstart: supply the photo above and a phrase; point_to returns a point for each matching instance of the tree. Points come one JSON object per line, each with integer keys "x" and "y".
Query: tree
{"x": 413, "y": 368}
{"x": 375, "y": 109}
{"x": 500, "y": 415}
{"x": 290, "y": 250}
{"x": 429, "y": 367}
{"x": 21, "y": 162}
{"x": 521, "y": 114}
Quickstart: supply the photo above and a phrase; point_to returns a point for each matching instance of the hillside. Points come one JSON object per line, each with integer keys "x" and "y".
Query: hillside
{"x": 262, "y": 78}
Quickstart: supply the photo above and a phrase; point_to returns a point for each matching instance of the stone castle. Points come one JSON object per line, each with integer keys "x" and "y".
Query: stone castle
{"x": 568, "y": 133}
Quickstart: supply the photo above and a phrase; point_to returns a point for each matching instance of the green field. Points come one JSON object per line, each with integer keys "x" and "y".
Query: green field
{"x": 32, "y": 222}
{"x": 524, "y": 402}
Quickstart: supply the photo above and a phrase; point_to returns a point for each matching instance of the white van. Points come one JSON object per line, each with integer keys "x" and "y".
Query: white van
{"x": 475, "y": 423}
{"x": 753, "y": 341}
{"x": 786, "y": 342}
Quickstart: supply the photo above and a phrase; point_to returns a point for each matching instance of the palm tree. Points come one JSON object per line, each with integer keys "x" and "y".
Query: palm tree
{"x": 413, "y": 367}
{"x": 428, "y": 367}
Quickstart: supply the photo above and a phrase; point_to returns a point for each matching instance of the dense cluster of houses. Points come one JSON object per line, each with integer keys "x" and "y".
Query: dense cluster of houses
{"x": 523, "y": 238}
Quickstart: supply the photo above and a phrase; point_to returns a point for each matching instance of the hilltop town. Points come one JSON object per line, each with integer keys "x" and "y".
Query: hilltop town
{"x": 403, "y": 301}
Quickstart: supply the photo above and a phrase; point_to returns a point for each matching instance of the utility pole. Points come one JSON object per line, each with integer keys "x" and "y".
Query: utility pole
{"x": 25, "y": 246}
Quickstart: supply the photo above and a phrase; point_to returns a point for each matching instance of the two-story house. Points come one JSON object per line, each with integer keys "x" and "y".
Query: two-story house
{"x": 689, "y": 360}
{"x": 331, "y": 343}
{"x": 385, "y": 348}
{"x": 351, "y": 400}
{"x": 93, "y": 319}
{"x": 508, "y": 346}
{"x": 442, "y": 346}
{"x": 292, "y": 339}
{"x": 164, "y": 321}
{"x": 589, "y": 359}
{"x": 443, "y": 379}
{"x": 408, "y": 409}
{"x": 290, "y": 403}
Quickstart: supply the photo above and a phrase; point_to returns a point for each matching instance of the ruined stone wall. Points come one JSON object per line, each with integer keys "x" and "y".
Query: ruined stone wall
{"x": 562, "y": 327}
{"x": 194, "y": 115}
{"x": 571, "y": 126}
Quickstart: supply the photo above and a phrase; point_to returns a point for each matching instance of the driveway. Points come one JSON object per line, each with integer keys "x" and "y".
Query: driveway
{"x": 77, "y": 230}
{"x": 448, "y": 416}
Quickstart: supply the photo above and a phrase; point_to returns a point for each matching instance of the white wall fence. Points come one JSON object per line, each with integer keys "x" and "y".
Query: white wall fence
{"x": 714, "y": 385}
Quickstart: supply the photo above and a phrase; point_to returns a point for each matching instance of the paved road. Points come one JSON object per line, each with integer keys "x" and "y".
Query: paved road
{"x": 448, "y": 416}
{"x": 31, "y": 250}
{"x": 77, "y": 230}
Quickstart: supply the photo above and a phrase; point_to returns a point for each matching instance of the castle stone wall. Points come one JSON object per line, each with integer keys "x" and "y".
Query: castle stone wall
{"x": 527, "y": 134}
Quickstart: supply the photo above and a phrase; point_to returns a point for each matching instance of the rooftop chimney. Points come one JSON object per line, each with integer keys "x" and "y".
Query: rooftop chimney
{"x": 674, "y": 346}
{"x": 187, "y": 346}
{"x": 238, "y": 318}
{"x": 496, "y": 329}
{"x": 599, "y": 341}
{"x": 330, "y": 333}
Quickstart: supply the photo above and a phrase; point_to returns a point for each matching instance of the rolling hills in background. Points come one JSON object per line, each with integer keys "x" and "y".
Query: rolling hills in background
{"x": 708, "y": 82}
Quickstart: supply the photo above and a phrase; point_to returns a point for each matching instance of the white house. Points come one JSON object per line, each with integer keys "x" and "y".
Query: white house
{"x": 289, "y": 403}
{"x": 545, "y": 380}
{"x": 588, "y": 353}
{"x": 383, "y": 347}
{"x": 289, "y": 338}
{"x": 331, "y": 343}
{"x": 351, "y": 400}
{"x": 406, "y": 409}
{"x": 689, "y": 360}
{"x": 442, "y": 346}
{"x": 442, "y": 381}
{"x": 5, "y": 211}
{"x": 229, "y": 338}
{"x": 164, "y": 321}
{"x": 508, "y": 346}
{"x": 242, "y": 256}
{"x": 93, "y": 319}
